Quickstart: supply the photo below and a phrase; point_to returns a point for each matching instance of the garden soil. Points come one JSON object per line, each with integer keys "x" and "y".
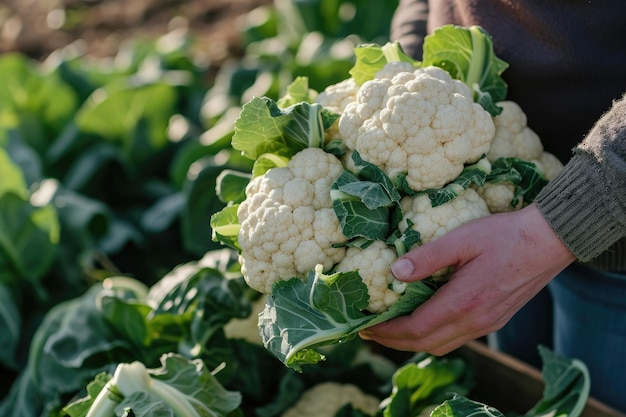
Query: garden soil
{"x": 39, "y": 27}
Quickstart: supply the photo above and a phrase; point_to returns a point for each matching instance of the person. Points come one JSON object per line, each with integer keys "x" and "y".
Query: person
{"x": 554, "y": 272}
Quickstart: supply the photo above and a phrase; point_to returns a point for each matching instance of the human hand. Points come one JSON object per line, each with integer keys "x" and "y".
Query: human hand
{"x": 500, "y": 262}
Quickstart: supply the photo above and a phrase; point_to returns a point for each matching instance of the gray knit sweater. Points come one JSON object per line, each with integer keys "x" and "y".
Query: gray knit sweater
{"x": 567, "y": 66}
{"x": 586, "y": 203}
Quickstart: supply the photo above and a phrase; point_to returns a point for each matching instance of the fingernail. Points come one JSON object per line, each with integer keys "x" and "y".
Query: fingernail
{"x": 402, "y": 268}
{"x": 365, "y": 335}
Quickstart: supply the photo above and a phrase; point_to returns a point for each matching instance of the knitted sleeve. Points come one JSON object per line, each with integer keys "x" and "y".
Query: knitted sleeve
{"x": 586, "y": 203}
{"x": 409, "y": 26}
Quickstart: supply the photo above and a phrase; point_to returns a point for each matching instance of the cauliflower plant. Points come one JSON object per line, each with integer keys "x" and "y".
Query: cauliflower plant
{"x": 418, "y": 122}
{"x": 402, "y": 129}
{"x": 288, "y": 224}
{"x": 327, "y": 398}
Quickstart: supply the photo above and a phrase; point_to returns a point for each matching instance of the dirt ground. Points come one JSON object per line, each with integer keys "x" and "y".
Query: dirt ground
{"x": 38, "y": 27}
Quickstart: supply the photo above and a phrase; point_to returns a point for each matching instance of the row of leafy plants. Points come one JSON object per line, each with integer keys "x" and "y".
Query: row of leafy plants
{"x": 108, "y": 168}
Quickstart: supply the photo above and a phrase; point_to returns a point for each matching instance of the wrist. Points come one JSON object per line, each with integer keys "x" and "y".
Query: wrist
{"x": 537, "y": 229}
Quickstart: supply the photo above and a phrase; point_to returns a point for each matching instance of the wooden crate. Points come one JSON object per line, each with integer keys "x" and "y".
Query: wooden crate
{"x": 511, "y": 385}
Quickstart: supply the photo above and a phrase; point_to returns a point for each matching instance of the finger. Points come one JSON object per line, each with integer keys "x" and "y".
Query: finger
{"x": 453, "y": 303}
{"x": 451, "y": 313}
{"x": 425, "y": 260}
{"x": 422, "y": 330}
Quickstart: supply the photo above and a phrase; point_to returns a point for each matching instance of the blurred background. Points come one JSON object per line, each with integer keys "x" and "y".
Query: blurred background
{"x": 38, "y": 27}
{"x": 115, "y": 124}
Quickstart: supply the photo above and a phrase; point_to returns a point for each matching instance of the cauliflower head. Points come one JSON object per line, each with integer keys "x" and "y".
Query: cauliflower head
{"x": 374, "y": 267}
{"x": 418, "y": 122}
{"x": 288, "y": 224}
{"x": 434, "y": 222}
{"x": 327, "y": 398}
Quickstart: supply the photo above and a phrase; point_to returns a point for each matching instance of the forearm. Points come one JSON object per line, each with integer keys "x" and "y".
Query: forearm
{"x": 586, "y": 203}
{"x": 409, "y": 26}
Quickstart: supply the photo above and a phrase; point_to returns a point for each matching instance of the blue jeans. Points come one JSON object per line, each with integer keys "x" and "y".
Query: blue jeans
{"x": 582, "y": 314}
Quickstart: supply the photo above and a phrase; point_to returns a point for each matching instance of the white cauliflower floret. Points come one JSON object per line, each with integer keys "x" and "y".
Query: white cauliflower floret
{"x": 392, "y": 69}
{"x": 373, "y": 265}
{"x": 327, "y": 398}
{"x": 550, "y": 165}
{"x": 336, "y": 97}
{"x": 513, "y": 137}
{"x": 499, "y": 196}
{"x": 434, "y": 222}
{"x": 419, "y": 122}
{"x": 288, "y": 224}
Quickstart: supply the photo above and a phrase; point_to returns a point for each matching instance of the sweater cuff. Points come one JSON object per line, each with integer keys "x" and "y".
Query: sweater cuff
{"x": 579, "y": 208}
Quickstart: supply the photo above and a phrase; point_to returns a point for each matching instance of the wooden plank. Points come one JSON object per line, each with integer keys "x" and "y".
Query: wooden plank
{"x": 511, "y": 385}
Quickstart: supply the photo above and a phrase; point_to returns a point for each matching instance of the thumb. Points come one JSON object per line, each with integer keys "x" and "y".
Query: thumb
{"x": 423, "y": 261}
